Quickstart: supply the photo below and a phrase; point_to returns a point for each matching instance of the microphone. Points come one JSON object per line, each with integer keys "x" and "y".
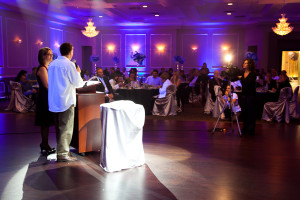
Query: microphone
{"x": 74, "y": 61}
{"x": 85, "y": 85}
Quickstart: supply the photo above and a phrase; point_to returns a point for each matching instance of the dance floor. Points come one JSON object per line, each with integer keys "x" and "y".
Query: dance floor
{"x": 183, "y": 161}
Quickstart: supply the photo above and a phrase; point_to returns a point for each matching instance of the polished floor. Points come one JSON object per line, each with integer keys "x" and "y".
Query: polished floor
{"x": 183, "y": 161}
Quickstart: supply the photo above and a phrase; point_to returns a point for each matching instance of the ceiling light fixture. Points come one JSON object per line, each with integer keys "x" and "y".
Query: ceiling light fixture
{"x": 229, "y": 13}
{"x": 156, "y": 15}
{"x": 283, "y": 27}
{"x": 145, "y": 6}
{"x": 90, "y": 30}
{"x": 229, "y": 4}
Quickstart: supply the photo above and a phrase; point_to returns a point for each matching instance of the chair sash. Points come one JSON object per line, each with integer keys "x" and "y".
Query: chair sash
{"x": 293, "y": 105}
{"x": 278, "y": 110}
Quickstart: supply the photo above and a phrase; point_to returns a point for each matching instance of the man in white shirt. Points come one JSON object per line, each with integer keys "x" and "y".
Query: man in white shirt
{"x": 166, "y": 83}
{"x": 63, "y": 79}
{"x": 154, "y": 80}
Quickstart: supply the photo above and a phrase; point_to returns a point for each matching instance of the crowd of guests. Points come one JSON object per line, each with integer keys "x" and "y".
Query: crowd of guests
{"x": 195, "y": 82}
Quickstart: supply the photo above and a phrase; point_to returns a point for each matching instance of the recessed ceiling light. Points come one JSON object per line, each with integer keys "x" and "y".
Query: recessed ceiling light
{"x": 145, "y": 6}
{"x": 229, "y": 13}
{"x": 156, "y": 15}
{"x": 100, "y": 16}
{"x": 229, "y": 4}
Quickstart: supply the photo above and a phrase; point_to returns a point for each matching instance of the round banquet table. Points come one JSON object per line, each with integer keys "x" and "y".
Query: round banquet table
{"x": 140, "y": 96}
{"x": 260, "y": 99}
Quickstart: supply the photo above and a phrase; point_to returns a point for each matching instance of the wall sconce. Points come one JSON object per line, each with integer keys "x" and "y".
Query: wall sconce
{"x": 160, "y": 48}
{"x": 225, "y": 47}
{"x": 56, "y": 44}
{"x": 135, "y": 47}
{"x": 110, "y": 48}
{"x": 194, "y": 48}
{"x": 40, "y": 43}
{"x": 228, "y": 58}
{"x": 18, "y": 40}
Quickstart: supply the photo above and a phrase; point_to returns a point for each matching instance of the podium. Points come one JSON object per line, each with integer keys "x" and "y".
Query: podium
{"x": 87, "y": 124}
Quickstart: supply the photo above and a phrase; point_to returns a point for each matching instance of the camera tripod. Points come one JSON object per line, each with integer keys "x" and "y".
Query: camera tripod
{"x": 231, "y": 107}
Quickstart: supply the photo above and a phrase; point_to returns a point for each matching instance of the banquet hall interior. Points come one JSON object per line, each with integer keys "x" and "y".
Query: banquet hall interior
{"x": 184, "y": 157}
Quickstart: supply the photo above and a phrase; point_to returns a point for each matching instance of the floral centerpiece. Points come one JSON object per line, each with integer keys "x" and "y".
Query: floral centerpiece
{"x": 179, "y": 60}
{"x": 116, "y": 60}
{"x": 138, "y": 57}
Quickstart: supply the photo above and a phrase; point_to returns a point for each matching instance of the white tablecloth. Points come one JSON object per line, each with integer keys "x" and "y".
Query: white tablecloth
{"x": 122, "y": 134}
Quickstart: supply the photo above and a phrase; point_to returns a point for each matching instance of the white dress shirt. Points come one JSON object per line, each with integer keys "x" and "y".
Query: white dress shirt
{"x": 114, "y": 84}
{"x": 63, "y": 79}
{"x": 163, "y": 89}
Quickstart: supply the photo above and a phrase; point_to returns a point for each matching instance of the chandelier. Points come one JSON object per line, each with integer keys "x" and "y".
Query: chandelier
{"x": 90, "y": 30}
{"x": 282, "y": 28}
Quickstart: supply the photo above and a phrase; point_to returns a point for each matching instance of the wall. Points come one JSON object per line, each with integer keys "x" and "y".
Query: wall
{"x": 23, "y": 36}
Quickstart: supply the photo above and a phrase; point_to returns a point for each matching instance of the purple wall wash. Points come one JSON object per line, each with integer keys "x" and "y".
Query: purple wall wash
{"x": 17, "y": 43}
{"x": 160, "y": 50}
{"x": 1, "y": 47}
{"x": 38, "y": 39}
{"x": 195, "y": 49}
{"x": 134, "y": 42}
{"x": 110, "y": 48}
{"x": 56, "y": 39}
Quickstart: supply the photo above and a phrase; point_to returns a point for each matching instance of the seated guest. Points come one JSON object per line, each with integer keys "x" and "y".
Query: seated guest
{"x": 274, "y": 74}
{"x": 112, "y": 73}
{"x": 180, "y": 90}
{"x": 132, "y": 80}
{"x": 125, "y": 73}
{"x": 269, "y": 83}
{"x": 190, "y": 75}
{"x": 154, "y": 80}
{"x": 26, "y": 86}
{"x": 118, "y": 72}
{"x": 115, "y": 84}
{"x": 194, "y": 78}
{"x": 104, "y": 86}
{"x": 175, "y": 79}
{"x": 170, "y": 72}
{"x": 182, "y": 76}
{"x": 212, "y": 82}
{"x": 85, "y": 75}
{"x": 162, "y": 70}
{"x": 234, "y": 103}
{"x": 283, "y": 82}
{"x": 32, "y": 77}
{"x": 165, "y": 83}
{"x": 106, "y": 72}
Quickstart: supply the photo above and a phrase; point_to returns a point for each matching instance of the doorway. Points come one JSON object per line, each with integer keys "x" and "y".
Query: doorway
{"x": 86, "y": 63}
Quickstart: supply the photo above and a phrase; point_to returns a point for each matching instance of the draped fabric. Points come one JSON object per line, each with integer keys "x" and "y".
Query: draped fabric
{"x": 209, "y": 104}
{"x": 278, "y": 110}
{"x": 18, "y": 101}
{"x": 218, "y": 103}
{"x": 166, "y": 105}
{"x": 293, "y": 105}
{"x": 122, "y": 134}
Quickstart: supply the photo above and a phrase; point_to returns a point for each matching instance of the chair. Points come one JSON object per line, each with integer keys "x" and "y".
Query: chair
{"x": 209, "y": 104}
{"x": 293, "y": 105}
{"x": 278, "y": 110}
{"x": 18, "y": 101}
{"x": 166, "y": 105}
{"x": 218, "y": 103}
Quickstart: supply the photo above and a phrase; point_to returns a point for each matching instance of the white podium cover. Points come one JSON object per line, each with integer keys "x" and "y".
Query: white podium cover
{"x": 122, "y": 134}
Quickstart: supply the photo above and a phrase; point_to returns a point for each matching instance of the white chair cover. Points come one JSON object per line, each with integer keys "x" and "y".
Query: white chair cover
{"x": 293, "y": 105}
{"x": 122, "y": 134}
{"x": 209, "y": 104}
{"x": 167, "y": 105}
{"x": 18, "y": 101}
{"x": 280, "y": 109}
{"x": 218, "y": 103}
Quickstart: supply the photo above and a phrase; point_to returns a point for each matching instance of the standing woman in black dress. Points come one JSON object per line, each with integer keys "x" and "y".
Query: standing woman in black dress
{"x": 44, "y": 117}
{"x": 248, "y": 81}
